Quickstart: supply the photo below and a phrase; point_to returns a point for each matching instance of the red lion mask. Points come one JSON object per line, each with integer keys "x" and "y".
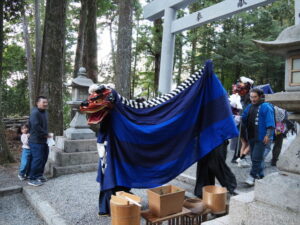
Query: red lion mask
{"x": 98, "y": 104}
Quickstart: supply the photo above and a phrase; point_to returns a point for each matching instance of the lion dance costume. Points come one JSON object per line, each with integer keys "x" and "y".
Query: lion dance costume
{"x": 150, "y": 143}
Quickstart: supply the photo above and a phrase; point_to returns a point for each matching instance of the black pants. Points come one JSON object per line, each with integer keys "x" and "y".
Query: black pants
{"x": 105, "y": 196}
{"x": 39, "y": 157}
{"x": 277, "y": 148}
{"x": 237, "y": 151}
{"x": 214, "y": 166}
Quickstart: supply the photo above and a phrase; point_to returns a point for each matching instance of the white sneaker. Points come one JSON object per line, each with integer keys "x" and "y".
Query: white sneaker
{"x": 21, "y": 177}
{"x": 244, "y": 163}
{"x": 238, "y": 160}
{"x": 250, "y": 181}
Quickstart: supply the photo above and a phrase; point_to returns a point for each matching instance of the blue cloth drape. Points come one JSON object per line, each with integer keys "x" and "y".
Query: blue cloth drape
{"x": 151, "y": 146}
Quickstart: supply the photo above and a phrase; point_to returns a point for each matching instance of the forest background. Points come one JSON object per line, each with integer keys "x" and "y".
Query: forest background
{"x": 44, "y": 42}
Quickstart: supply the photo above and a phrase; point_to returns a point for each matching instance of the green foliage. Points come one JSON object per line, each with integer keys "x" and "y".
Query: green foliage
{"x": 16, "y": 98}
{"x": 236, "y": 55}
{"x": 13, "y": 60}
{"x": 12, "y": 9}
{"x": 228, "y": 42}
{"x": 105, "y": 7}
{"x": 15, "y": 89}
{"x": 145, "y": 85}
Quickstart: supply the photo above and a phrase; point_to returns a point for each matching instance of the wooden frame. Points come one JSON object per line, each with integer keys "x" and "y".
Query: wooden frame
{"x": 291, "y": 70}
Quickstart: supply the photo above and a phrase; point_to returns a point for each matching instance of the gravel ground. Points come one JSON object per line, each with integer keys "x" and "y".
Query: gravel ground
{"x": 15, "y": 210}
{"x": 9, "y": 176}
{"x": 75, "y": 197}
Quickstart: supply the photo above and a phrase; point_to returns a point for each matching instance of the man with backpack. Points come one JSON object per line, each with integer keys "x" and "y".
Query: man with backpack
{"x": 259, "y": 120}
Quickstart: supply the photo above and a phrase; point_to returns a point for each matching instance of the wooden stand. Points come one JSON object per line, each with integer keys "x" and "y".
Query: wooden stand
{"x": 175, "y": 219}
{"x": 196, "y": 219}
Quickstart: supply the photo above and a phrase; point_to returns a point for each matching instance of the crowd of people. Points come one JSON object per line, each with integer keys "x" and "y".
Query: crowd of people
{"x": 259, "y": 123}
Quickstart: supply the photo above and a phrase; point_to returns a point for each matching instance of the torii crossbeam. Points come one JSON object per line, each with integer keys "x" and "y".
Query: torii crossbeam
{"x": 167, "y": 9}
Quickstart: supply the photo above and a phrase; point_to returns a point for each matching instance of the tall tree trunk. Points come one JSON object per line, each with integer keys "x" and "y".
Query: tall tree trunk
{"x": 112, "y": 44}
{"x": 52, "y": 62}
{"x": 90, "y": 41}
{"x": 157, "y": 52}
{"x": 123, "y": 59}
{"x": 80, "y": 38}
{"x": 180, "y": 59}
{"x": 38, "y": 48}
{"x": 5, "y": 155}
{"x": 135, "y": 59}
{"x": 31, "y": 75}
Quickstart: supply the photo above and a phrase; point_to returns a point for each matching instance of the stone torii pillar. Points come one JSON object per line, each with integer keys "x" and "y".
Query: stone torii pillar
{"x": 297, "y": 12}
{"x": 167, "y": 9}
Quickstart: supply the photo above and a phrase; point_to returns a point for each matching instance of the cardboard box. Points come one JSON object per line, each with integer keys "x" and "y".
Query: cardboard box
{"x": 165, "y": 200}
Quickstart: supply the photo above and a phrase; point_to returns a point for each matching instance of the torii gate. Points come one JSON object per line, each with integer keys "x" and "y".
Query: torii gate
{"x": 167, "y": 9}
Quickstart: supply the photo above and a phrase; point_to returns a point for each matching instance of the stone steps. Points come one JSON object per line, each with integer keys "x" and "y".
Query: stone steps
{"x": 244, "y": 209}
{"x": 268, "y": 204}
{"x": 72, "y": 156}
{"x": 62, "y": 158}
{"x": 269, "y": 191}
{"x": 84, "y": 145}
{"x": 55, "y": 171}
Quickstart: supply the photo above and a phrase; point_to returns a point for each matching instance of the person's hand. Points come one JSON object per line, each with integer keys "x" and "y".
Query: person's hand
{"x": 266, "y": 140}
{"x": 50, "y": 135}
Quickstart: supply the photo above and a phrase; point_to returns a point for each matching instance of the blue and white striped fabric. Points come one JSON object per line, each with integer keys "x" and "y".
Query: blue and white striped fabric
{"x": 150, "y": 143}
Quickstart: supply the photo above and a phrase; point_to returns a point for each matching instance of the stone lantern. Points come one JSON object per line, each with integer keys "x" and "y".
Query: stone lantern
{"x": 79, "y": 129}
{"x": 288, "y": 45}
{"x": 76, "y": 151}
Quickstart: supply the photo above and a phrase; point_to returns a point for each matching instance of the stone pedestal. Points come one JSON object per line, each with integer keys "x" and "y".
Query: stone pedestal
{"x": 74, "y": 152}
{"x": 72, "y": 156}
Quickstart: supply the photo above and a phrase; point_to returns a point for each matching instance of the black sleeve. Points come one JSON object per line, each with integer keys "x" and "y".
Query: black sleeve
{"x": 35, "y": 124}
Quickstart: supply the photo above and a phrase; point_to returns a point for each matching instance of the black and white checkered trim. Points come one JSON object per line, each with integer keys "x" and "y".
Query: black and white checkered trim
{"x": 165, "y": 97}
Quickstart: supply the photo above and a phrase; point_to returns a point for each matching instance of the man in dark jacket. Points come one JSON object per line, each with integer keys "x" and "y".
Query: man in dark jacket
{"x": 38, "y": 125}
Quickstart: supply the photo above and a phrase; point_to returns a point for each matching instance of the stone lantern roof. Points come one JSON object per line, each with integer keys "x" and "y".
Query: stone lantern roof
{"x": 287, "y": 41}
{"x": 81, "y": 80}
